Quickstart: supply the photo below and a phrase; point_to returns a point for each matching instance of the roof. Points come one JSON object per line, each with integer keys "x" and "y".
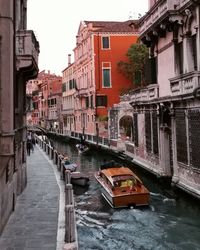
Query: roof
{"x": 111, "y": 172}
{"x": 112, "y": 26}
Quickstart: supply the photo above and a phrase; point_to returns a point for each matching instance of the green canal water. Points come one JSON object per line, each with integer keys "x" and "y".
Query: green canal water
{"x": 171, "y": 222}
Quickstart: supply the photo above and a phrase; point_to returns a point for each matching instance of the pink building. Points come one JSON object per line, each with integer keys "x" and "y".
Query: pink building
{"x": 68, "y": 98}
{"x": 32, "y": 91}
{"x": 46, "y": 100}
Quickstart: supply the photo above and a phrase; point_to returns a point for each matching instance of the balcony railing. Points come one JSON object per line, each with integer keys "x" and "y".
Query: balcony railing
{"x": 158, "y": 12}
{"x": 144, "y": 95}
{"x": 183, "y": 2}
{"x": 27, "y": 49}
{"x": 185, "y": 84}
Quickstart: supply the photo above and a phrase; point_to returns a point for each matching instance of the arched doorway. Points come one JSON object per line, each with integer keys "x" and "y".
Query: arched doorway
{"x": 126, "y": 127}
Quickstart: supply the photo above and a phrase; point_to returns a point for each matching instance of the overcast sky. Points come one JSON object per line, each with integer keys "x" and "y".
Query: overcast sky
{"x": 56, "y": 24}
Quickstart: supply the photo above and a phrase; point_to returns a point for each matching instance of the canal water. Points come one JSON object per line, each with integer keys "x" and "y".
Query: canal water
{"x": 171, "y": 222}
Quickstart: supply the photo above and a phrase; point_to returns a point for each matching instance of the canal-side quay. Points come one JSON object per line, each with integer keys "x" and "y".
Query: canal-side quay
{"x": 44, "y": 216}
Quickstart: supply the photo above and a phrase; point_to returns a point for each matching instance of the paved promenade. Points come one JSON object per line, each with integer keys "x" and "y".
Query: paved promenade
{"x": 38, "y": 220}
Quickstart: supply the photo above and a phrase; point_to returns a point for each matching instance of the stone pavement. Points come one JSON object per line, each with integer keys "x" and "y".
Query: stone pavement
{"x": 38, "y": 220}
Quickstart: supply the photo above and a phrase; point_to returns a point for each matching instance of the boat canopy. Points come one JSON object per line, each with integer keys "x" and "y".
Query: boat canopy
{"x": 119, "y": 174}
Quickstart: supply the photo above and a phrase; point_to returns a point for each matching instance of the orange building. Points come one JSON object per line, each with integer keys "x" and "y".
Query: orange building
{"x": 99, "y": 47}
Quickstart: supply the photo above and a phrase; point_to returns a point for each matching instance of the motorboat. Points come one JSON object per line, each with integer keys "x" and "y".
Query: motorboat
{"x": 121, "y": 187}
{"x": 82, "y": 148}
{"x": 77, "y": 178}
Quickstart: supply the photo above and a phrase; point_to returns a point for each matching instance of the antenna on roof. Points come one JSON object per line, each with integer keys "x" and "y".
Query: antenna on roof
{"x": 134, "y": 15}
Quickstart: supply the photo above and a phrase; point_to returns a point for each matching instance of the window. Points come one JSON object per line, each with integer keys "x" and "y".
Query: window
{"x": 151, "y": 132}
{"x": 179, "y": 57}
{"x": 105, "y": 42}
{"x": 194, "y": 51}
{"x": 106, "y": 78}
{"x": 135, "y": 129}
{"x": 87, "y": 102}
{"x": 63, "y": 87}
{"x": 181, "y": 137}
{"x": 150, "y": 70}
{"x": 148, "y": 131}
{"x": 194, "y": 138}
{"x": 101, "y": 101}
{"x": 91, "y": 102}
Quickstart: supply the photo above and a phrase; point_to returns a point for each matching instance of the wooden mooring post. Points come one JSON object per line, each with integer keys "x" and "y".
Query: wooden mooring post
{"x": 70, "y": 220}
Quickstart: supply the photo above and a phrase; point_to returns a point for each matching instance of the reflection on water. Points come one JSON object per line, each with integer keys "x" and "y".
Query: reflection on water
{"x": 168, "y": 223}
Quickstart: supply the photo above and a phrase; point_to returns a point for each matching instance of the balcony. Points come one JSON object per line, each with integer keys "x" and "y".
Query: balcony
{"x": 147, "y": 94}
{"x": 156, "y": 14}
{"x": 163, "y": 12}
{"x": 185, "y": 84}
{"x": 81, "y": 93}
{"x": 27, "y": 51}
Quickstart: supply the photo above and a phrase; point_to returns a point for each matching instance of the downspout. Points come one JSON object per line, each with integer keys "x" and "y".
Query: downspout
{"x": 14, "y": 76}
{"x": 0, "y": 84}
{"x": 99, "y": 71}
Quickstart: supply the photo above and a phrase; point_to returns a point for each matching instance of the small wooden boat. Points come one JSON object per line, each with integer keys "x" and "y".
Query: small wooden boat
{"x": 122, "y": 187}
{"x": 82, "y": 148}
{"x": 77, "y": 178}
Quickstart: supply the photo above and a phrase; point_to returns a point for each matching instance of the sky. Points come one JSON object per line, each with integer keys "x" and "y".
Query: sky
{"x": 56, "y": 23}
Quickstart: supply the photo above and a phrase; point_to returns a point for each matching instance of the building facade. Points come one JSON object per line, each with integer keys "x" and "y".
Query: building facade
{"x": 19, "y": 52}
{"x": 68, "y": 98}
{"x": 46, "y": 98}
{"x": 97, "y": 82}
{"x": 166, "y": 114}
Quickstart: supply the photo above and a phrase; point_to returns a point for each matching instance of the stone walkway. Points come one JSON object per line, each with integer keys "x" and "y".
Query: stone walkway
{"x": 38, "y": 220}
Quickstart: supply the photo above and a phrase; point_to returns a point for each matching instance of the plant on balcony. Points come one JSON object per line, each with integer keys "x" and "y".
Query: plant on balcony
{"x": 134, "y": 68}
{"x": 104, "y": 120}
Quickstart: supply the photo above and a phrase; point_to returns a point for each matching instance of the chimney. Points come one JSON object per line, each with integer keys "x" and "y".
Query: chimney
{"x": 69, "y": 59}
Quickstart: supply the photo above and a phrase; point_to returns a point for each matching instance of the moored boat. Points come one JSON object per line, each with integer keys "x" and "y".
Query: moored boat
{"x": 82, "y": 148}
{"x": 121, "y": 187}
{"x": 77, "y": 178}
{"x": 68, "y": 165}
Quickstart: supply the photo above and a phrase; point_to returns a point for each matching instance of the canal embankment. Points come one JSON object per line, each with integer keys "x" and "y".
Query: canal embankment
{"x": 70, "y": 235}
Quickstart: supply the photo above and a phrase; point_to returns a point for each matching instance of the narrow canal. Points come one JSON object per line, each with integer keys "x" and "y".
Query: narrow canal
{"x": 170, "y": 222}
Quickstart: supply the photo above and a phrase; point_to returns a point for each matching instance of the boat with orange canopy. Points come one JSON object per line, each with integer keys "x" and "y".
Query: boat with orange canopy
{"x": 121, "y": 187}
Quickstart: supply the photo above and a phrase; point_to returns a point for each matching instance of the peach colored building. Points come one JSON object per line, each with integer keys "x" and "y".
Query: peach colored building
{"x": 98, "y": 83}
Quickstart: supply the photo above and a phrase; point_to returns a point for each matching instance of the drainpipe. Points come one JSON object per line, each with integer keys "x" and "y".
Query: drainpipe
{"x": 0, "y": 85}
{"x": 14, "y": 76}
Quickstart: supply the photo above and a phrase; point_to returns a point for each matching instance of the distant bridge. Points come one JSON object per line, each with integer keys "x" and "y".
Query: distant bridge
{"x": 36, "y": 128}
